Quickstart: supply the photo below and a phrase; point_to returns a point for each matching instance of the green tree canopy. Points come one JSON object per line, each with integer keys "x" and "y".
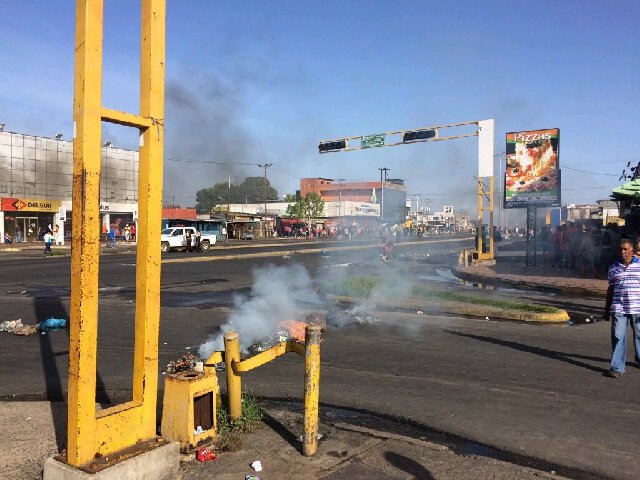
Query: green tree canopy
{"x": 251, "y": 190}
{"x": 290, "y": 197}
{"x": 308, "y": 208}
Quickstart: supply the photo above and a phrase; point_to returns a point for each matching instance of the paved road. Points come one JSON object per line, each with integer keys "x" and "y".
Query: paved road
{"x": 529, "y": 389}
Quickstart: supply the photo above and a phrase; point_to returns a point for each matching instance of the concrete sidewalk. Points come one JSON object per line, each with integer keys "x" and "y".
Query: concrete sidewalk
{"x": 510, "y": 270}
{"x": 34, "y": 431}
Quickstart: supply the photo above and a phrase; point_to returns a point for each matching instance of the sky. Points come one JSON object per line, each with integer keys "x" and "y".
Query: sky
{"x": 249, "y": 82}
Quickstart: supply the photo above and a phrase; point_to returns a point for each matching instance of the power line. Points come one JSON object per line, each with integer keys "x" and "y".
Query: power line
{"x": 593, "y": 173}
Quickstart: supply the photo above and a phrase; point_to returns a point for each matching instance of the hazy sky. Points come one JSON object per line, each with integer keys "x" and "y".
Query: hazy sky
{"x": 264, "y": 81}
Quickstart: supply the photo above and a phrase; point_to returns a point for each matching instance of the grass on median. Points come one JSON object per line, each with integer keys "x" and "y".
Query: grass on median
{"x": 230, "y": 432}
{"x": 363, "y": 287}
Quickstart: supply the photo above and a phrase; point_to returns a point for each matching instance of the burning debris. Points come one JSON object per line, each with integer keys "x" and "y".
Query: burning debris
{"x": 287, "y": 330}
{"x": 183, "y": 364}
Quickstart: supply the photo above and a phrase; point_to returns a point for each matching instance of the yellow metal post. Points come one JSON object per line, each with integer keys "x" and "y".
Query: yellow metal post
{"x": 91, "y": 434}
{"x": 491, "y": 256}
{"x": 85, "y": 247}
{"x": 480, "y": 215}
{"x": 311, "y": 389}
{"x": 234, "y": 382}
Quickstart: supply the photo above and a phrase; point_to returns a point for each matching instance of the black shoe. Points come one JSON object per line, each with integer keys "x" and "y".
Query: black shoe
{"x": 612, "y": 374}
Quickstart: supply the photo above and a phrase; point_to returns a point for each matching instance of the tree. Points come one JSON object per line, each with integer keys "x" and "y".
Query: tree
{"x": 308, "y": 208}
{"x": 289, "y": 197}
{"x": 251, "y": 190}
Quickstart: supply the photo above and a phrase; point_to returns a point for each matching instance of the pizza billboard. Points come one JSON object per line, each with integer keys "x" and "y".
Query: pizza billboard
{"x": 532, "y": 173}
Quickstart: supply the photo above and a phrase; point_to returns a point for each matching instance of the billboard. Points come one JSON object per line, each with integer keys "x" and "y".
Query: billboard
{"x": 532, "y": 173}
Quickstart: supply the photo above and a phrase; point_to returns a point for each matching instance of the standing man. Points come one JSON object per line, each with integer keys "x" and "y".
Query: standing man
{"x": 623, "y": 306}
{"x": 112, "y": 236}
{"x": 224, "y": 234}
{"x": 47, "y": 243}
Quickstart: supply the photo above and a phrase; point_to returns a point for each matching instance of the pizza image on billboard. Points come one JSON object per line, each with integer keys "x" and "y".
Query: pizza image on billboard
{"x": 532, "y": 173}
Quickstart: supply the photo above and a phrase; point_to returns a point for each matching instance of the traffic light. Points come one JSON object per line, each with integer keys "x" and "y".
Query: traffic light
{"x": 418, "y": 135}
{"x": 333, "y": 146}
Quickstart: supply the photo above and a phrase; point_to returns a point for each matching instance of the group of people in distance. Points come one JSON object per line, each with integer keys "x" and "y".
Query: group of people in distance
{"x": 622, "y": 304}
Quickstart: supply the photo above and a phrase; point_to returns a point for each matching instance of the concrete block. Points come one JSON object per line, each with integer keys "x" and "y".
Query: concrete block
{"x": 161, "y": 463}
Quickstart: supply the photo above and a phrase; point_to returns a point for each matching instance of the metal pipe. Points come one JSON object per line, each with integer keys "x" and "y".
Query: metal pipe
{"x": 311, "y": 389}
{"x": 234, "y": 382}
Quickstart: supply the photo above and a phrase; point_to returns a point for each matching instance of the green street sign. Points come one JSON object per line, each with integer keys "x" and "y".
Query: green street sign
{"x": 373, "y": 141}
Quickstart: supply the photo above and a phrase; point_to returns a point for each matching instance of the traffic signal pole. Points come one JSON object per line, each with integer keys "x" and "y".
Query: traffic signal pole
{"x": 434, "y": 134}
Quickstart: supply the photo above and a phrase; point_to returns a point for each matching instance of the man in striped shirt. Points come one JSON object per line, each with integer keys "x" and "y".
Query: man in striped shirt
{"x": 623, "y": 306}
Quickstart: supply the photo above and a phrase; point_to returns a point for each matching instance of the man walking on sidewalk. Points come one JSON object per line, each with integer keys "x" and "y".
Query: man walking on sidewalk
{"x": 623, "y": 306}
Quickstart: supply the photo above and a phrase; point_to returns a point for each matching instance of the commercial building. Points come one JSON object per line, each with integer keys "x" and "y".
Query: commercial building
{"x": 390, "y": 196}
{"x": 36, "y": 183}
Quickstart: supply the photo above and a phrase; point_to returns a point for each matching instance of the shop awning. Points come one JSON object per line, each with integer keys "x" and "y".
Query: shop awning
{"x": 627, "y": 191}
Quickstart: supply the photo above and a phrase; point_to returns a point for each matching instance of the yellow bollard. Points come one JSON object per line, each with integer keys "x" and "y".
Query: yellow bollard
{"x": 234, "y": 383}
{"x": 311, "y": 389}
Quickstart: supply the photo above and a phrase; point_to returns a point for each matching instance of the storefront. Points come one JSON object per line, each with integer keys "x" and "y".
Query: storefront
{"x": 27, "y": 219}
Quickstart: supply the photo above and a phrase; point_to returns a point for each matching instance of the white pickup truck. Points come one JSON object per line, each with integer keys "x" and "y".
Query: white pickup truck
{"x": 176, "y": 237}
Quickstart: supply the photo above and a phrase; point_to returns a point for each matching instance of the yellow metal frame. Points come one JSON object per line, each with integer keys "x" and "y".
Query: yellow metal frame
{"x": 481, "y": 193}
{"x": 311, "y": 353}
{"x": 90, "y": 433}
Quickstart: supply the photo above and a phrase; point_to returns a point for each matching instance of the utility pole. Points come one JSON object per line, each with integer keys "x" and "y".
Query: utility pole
{"x": 384, "y": 171}
{"x": 264, "y": 224}
{"x": 340, "y": 180}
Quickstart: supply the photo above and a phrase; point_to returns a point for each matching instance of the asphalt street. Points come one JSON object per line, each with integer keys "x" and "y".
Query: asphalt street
{"x": 534, "y": 390}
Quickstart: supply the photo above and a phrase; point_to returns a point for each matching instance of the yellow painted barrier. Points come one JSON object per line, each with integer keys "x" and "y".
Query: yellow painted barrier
{"x": 311, "y": 353}
{"x": 311, "y": 389}
{"x": 234, "y": 383}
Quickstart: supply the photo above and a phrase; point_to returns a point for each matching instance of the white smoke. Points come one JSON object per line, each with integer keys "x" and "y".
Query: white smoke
{"x": 274, "y": 297}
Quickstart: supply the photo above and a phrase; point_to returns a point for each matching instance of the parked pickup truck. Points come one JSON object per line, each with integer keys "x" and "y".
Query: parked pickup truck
{"x": 176, "y": 238}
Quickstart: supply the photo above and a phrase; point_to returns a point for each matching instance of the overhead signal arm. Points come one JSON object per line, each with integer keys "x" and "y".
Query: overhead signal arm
{"x": 400, "y": 137}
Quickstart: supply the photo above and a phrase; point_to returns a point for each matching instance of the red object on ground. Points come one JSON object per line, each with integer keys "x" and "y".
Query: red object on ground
{"x": 205, "y": 454}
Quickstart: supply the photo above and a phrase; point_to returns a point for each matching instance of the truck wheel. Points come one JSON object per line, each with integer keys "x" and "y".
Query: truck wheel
{"x": 204, "y": 245}
{"x": 165, "y": 247}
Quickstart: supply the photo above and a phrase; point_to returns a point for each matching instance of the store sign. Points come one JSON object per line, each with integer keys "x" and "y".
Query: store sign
{"x": 366, "y": 210}
{"x": 29, "y": 205}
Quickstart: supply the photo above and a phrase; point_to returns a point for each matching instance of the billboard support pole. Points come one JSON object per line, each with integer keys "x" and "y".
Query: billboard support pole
{"x": 531, "y": 235}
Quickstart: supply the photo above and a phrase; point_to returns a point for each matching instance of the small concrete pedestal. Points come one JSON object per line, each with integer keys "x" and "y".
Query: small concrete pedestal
{"x": 161, "y": 463}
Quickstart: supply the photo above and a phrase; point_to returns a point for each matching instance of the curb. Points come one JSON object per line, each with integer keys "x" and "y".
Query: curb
{"x": 302, "y": 251}
{"x": 499, "y": 281}
{"x": 473, "y": 310}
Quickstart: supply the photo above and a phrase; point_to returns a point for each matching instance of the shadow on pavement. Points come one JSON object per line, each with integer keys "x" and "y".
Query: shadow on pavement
{"x": 281, "y": 430}
{"x": 552, "y": 354}
{"x": 408, "y": 465}
{"x": 52, "y": 307}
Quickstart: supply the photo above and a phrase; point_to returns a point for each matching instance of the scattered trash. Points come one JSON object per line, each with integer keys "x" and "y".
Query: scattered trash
{"x": 26, "y": 330}
{"x": 23, "y": 292}
{"x": 486, "y": 318}
{"x": 198, "y": 430}
{"x": 252, "y": 477}
{"x": 553, "y": 472}
{"x": 257, "y": 466}
{"x": 52, "y": 324}
{"x": 286, "y": 256}
{"x": 182, "y": 364}
{"x": 587, "y": 320}
{"x": 199, "y": 366}
{"x": 17, "y": 328}
{"x": 318, "y": 437}
{"x": 365, "y": 318}
{"x": 420, "y": 312}
{"x": 28, "y": 418}
{"x": 10, "y": 325}
{"x": 570, "y": 322}
{"x": 205, "y": 454}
